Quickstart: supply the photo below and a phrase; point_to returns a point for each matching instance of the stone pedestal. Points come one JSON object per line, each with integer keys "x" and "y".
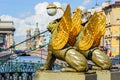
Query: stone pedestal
{"x": 108, "y": 75}
{"x": 52, "y": 75}
{"x": 56, "y": 75}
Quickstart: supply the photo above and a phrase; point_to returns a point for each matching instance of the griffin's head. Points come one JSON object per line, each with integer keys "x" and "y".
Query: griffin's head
{"x": 53, "y": 25}
{"x": 85, "y": 16}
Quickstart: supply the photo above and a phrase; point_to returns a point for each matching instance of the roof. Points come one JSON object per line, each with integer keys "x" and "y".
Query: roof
{"x": 116, "y": 4}
{"x": 6, "y": 21}
{"x": 6, "y": 26}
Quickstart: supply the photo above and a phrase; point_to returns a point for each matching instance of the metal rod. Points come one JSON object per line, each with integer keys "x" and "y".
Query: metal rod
{"x": 26, "y": 40}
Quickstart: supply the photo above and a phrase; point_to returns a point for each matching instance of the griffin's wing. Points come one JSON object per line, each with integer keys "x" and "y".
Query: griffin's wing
{"x": 76, "y": 22}
{"x": 87, "y": 40}
{"x": 94, "y": 28}
{"x": 76, "y": 26}
{"x": 63, "y": 30}
{"x": 102, "y": 29}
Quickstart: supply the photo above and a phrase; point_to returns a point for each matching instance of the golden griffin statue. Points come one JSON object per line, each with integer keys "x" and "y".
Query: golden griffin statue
{"x": 76, "y": 41}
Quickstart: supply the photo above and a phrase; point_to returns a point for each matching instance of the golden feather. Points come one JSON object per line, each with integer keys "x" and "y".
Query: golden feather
{"x": 102, "y": 29}
{"x": 76, "y": 26}
{"x": 63, "y": 29}
{"x": 87, "y": 40}
{"x": 93, "y": 32}
{"x": 76, "y": 22}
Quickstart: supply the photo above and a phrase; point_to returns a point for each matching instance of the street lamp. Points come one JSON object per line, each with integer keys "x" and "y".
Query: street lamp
{"x": 52, "y": 9}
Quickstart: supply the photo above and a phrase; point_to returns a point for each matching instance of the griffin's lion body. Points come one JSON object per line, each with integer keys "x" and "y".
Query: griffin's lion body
{"x": 74, "y": 43}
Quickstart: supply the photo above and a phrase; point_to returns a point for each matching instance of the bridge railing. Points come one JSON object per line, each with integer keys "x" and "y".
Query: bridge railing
{"x": 18, "y": 70}
{"x": 17, "y": 76}
{"x": 21, "y": 70}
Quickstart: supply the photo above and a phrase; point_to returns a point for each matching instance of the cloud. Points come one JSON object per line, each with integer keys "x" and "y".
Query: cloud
{"x": 82, "y": 7}
{"x": 96, "y": 9}
{"x": 86, "y": 2}
{"x": 39, "y": 17}
{"x": 24, "y": 14}
{"x": 57, "y": 4}
{"x": 40, "y": 8}
{"x": 6, "y": 17}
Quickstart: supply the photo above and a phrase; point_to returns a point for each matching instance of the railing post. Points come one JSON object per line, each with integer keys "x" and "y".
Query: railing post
{"x": 11, "y": 76}
{"x": 20, "y": 77}
{"x": 29, "y": 75}
{"x": 0, "y": 76}
{"x": 3, "y": 76}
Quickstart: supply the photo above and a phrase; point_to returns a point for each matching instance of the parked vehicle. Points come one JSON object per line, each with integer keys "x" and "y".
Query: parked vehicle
{"x": 115, "y": 60}
{"x": 19, "y": 52}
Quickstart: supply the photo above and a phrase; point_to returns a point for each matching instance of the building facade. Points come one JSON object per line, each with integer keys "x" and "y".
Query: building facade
{"x": 112, "y": 35}
{"x": 6, "y": 34}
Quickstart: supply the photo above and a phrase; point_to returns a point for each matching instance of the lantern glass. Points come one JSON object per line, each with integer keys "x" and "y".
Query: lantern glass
{"x": 51, "y": 11}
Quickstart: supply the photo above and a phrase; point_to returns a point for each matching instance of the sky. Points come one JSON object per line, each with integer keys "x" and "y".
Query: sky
{"x": 26, "y": 13}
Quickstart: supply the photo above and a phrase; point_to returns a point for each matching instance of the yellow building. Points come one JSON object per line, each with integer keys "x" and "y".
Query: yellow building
{"x": 112, "y": 35}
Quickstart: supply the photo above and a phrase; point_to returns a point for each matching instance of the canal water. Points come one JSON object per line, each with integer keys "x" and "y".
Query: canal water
{"x": 33, "y": 59}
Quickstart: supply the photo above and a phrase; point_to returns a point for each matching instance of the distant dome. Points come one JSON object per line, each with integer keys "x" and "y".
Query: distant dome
{"x": 28, "y": 30}
{"x": 37, "y": 31}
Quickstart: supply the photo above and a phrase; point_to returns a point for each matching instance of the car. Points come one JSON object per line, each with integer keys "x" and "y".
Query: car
{"x": 115, "y": 60}
{"x": 19, "y": 52}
